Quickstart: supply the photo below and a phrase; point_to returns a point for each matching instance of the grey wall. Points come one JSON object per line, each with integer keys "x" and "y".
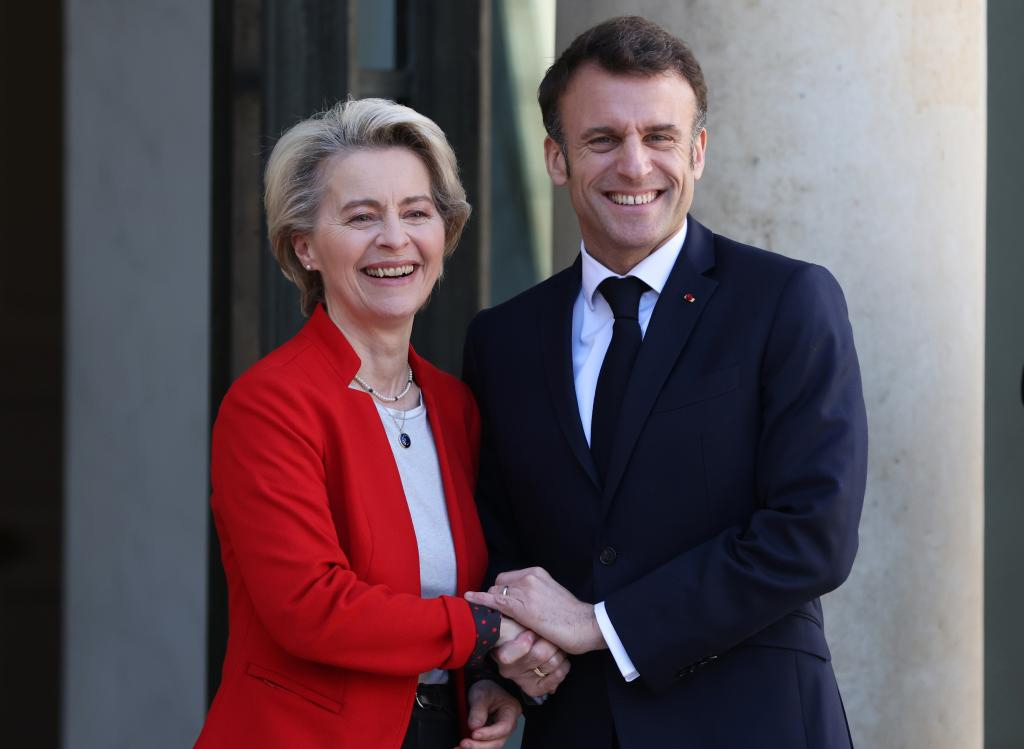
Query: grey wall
{"x": 137, "y": 132}
{"x": 1004, "y": 358}
{"x": 853, "y": 135}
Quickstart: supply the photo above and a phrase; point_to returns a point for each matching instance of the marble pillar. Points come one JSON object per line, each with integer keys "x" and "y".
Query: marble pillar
{"x": 137, "y": 285}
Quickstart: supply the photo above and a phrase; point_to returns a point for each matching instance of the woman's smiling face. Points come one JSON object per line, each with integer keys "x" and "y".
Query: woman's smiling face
{"x": 379, "y": 239}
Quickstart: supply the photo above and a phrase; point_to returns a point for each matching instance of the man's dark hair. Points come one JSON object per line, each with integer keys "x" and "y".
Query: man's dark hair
{"x": 630, "y": 45}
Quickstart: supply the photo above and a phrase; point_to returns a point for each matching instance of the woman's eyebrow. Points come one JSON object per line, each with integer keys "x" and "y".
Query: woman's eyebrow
{"x": 416, "y": 199}
{"x": 360, "y": 202}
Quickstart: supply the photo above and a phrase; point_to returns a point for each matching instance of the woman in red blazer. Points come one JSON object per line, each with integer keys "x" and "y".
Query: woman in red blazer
{"x": 344, "y": 466}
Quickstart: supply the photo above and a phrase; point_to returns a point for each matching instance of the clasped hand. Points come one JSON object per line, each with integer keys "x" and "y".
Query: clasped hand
{"x": 552, "y": 621}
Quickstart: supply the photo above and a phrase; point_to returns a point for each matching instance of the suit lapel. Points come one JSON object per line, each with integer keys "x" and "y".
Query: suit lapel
{"x": 556, "y": 344}
{"x": 672, "y": 322}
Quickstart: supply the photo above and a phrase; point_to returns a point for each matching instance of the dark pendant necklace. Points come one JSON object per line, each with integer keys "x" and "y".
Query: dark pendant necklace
{"x": 403, "y": 438}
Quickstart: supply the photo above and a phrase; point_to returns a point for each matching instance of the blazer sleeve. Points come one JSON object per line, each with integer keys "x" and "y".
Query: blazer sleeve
{"x": 272, "y": 512}
{"x": 810, "y": 479}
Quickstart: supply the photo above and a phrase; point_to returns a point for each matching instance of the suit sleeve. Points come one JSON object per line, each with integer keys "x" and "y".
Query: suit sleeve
{"x": 271, "y": 508}
{"x": 810, "y": 478}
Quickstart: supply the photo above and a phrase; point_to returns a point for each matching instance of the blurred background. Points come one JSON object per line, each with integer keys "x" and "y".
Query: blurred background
{"x": 881, "y": 138}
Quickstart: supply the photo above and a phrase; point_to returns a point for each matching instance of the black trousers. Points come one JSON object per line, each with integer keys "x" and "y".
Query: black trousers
{"x": 434, "y": 723}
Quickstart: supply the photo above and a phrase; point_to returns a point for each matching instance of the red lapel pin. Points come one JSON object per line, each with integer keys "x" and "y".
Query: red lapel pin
{"x": 689, "y": 297}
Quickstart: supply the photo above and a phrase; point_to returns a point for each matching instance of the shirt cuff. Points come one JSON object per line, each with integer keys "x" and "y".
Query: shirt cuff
{"x": 611, "y": 638}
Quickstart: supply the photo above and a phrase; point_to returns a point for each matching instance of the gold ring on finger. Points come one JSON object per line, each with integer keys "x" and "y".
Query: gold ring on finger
{"x": 539, "y": 673}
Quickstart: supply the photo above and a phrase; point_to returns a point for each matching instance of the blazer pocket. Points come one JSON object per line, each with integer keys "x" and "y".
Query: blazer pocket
{"x": 681, "y": 394}
{"x": 282, "y": 682}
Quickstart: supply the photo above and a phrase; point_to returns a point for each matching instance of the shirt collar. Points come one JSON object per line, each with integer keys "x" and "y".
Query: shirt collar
{"x": 653, "y": 270}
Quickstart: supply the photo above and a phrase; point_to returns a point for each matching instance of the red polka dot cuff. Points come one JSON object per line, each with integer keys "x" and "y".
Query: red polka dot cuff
{"x": 488, "y": 627}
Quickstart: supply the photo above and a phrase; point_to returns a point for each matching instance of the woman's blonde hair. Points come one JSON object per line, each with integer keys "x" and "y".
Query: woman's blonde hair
{"x": 296, "y": 176}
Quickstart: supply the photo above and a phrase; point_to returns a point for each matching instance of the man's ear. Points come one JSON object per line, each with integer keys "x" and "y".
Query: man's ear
{"x": 554, "y": 160}
{"x": 700, "y": 145}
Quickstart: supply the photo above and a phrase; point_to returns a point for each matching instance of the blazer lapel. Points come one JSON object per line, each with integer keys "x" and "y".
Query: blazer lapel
{"x": 679, "y": 306}
{"x": 556, "y": 344}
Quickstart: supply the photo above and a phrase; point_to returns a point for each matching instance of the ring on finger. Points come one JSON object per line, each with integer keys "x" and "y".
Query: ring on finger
{"x": 539, "y": 673}
{"x": 504, "y": 591}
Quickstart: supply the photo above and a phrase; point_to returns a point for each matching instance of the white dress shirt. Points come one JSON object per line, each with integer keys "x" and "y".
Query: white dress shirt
{"x": 592, "y": 322}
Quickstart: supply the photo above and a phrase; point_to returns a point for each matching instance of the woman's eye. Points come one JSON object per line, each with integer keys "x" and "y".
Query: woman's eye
{"x": 361, "y": 218}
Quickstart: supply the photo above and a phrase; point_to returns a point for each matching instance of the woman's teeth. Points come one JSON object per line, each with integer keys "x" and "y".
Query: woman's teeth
{"x": 393, "y": 272}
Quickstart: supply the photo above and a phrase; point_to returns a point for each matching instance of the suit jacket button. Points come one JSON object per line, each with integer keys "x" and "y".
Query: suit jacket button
{"x": 607, "y": 556}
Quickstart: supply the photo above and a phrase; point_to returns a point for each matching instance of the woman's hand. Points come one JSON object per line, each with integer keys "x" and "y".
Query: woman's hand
{"x": 510, "y": 630}
{"x": 492, "y": 716}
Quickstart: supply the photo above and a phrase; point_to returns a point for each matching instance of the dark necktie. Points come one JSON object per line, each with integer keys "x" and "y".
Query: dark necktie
{"x": 623, "y": 296}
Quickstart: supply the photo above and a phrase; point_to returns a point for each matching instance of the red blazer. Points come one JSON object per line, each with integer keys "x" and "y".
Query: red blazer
{"x": 327, "y": 628}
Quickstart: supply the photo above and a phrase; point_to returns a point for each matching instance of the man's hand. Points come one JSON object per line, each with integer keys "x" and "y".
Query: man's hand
{"x": 518, "y": 658}
{"x": 492, "y": 716}
{"x": 533, "y": 598}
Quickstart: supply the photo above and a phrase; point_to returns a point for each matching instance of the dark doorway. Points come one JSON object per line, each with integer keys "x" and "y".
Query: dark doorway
{"x": 31, "y": 389}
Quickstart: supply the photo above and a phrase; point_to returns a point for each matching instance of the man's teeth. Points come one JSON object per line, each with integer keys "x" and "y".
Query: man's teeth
{"x": 393, "y": 272}
{"x": 623, "y": 199}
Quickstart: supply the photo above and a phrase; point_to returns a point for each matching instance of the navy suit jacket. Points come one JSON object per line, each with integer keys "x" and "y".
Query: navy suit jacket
{"x": 733, "y": 496}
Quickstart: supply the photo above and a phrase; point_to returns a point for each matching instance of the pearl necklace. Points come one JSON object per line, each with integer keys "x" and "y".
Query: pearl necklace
{"x": 380, "y": 396}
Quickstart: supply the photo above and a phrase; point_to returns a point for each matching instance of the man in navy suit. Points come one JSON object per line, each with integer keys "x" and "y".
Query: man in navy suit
{"x": 674, "y": 438}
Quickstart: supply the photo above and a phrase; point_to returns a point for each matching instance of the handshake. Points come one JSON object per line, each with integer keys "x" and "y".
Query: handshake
{"x": 541, "y": 622}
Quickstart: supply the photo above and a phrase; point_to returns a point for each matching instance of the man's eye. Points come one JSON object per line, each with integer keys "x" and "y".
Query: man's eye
{"x": 659, "y": 138}
{"x": 602, "y": 140}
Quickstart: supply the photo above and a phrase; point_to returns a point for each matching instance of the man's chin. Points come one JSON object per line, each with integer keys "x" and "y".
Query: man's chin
{"x": 633, "y": 242}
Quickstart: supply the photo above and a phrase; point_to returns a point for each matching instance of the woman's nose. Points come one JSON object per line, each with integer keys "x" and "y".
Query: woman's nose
{"x": 392, "y": 234}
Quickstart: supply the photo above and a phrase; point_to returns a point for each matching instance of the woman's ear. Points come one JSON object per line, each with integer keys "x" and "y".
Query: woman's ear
{"x": 304, "y": 251}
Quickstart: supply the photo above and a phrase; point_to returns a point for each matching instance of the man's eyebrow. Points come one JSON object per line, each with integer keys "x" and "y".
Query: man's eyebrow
{"x": 666, "y": 127}
{"x": 599, "y": 130}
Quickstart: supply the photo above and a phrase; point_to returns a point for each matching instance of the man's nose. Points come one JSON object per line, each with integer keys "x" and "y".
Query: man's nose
{"x": 634, "y": 162}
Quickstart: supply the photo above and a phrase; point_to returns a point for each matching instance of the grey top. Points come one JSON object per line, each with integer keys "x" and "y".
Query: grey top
{"x": 424, "y": 491}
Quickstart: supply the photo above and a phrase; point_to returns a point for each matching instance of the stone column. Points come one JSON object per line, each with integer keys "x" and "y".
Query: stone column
{"x": 853, "y": 135}
{"x": 137, "y": 280}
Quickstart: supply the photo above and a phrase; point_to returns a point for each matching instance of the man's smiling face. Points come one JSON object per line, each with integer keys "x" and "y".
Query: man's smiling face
{"x": 632, "y": 160}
